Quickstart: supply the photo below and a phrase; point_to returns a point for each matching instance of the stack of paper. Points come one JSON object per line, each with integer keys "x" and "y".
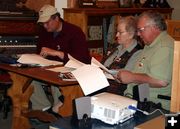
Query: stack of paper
{"x": 36, "y": 59}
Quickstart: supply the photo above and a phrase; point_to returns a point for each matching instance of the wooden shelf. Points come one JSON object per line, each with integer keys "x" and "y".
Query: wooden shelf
{"x": 85, "y": 17}
{"x": 114, "y": 11}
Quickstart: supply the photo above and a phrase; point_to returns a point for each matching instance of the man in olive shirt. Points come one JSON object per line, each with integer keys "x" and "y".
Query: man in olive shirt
{"x": 153, "y": 66}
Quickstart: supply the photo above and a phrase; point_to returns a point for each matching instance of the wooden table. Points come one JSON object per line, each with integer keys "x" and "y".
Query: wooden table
{"x": 21, "y": 90}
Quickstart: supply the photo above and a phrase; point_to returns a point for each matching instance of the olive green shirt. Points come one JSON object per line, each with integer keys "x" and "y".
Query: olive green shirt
{"x": 156, "y": 60}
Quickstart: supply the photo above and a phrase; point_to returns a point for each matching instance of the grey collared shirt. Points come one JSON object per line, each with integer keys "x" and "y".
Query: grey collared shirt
{"x": 117, "y": 54}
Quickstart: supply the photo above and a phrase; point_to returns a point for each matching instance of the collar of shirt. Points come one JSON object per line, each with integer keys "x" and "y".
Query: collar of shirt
{"x": 156, "y": 41}
{"x": 63, "y": 30}
{"x": 121, "y": 51}
{"x": 129, "y": 49}
{"x": 55, "y": 34}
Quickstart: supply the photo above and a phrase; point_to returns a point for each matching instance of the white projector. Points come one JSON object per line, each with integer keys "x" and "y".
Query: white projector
{"x": 111, "y": 109}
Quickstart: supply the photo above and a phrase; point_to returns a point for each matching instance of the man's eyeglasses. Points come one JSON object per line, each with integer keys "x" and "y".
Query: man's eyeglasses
{"x": 142, "y": 29}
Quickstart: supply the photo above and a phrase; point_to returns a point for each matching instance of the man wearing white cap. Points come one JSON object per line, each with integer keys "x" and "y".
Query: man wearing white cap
{"x": 57, "y": 39}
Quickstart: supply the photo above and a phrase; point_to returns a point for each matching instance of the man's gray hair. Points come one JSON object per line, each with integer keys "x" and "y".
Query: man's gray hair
{"x": 155, "y": 18}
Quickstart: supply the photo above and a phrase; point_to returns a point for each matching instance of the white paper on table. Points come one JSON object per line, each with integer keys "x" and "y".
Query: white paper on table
{"x": 96, "y": 63}
{"x": 36, "y": 59}
{"x": 73, "y": 63}
{"x": 90, "y": 78}
{"x": 61, "y": 69}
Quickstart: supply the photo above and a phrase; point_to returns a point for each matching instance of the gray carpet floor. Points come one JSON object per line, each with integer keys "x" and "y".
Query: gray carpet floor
{"x": 6, "y": 123}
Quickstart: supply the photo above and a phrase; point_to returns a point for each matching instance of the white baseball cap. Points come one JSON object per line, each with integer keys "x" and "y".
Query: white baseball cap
{"x": 46, "y": 12}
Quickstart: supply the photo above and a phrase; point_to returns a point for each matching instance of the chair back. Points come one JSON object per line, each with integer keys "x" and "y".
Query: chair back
{"x": 175, "y": 95}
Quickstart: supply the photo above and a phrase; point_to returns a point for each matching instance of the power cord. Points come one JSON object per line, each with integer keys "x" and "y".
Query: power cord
{"x": 144, "y": 112}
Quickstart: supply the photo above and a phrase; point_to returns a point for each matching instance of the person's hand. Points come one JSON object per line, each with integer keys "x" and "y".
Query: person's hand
{"x": 50, "y": 52}
{"x": 125, "y": 76}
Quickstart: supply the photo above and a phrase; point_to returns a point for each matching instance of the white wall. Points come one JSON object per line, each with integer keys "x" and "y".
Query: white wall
{"x": 176, "y": 5}
{"x": 59, "y": 4}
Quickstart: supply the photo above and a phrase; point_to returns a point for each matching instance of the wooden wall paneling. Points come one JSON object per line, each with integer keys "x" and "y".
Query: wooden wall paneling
{"x": 31, "y": 4}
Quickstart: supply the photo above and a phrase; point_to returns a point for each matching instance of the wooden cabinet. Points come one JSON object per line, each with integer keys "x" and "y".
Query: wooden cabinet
{"x": 86, "y": 17}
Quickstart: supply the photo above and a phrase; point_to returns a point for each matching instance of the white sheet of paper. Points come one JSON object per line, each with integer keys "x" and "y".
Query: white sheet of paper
{"x": 73, "y": 63}
{"x": 61, "y": 69}
{"x": 37, "y": 59}
{"x": 96, "y": 63}
{"x": 90, "y": 78}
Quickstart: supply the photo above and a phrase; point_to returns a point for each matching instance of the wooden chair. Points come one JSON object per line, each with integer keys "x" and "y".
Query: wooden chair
{"x": 173, "y": 28}
{"x": 175, "y": 93}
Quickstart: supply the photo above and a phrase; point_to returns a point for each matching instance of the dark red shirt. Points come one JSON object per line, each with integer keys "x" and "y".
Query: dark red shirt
{"x": 71, "y": 40}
